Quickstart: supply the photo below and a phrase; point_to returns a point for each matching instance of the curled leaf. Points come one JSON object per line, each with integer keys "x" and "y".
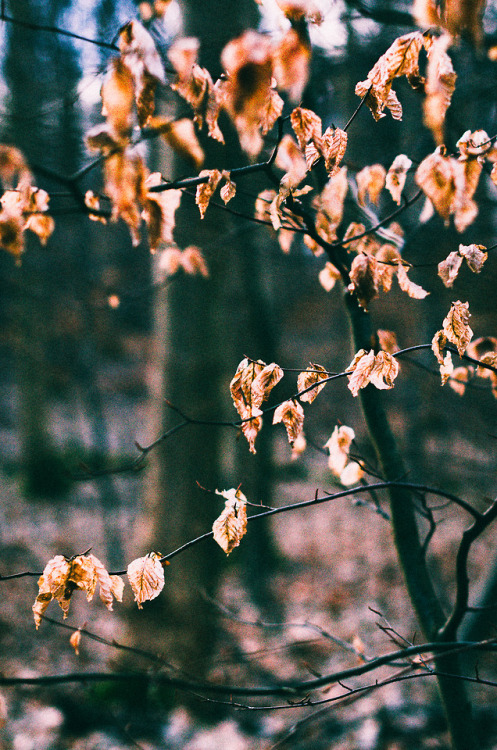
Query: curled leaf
{"x": 146, "y": 577}
{"x": 314, "y": 374}
{"x": 380, "y": 370}
{"x": 231, "y": 525}
{"x": 291, "y": 414}
{"x": 396, "y": 176}
{"x": 264, "y": 382}
{"x": 456, "y": 326}
{"x": 413, "y": 290}
{"x": 206, "y": 190}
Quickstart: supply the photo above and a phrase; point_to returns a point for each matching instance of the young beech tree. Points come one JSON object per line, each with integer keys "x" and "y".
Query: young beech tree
{"x": 307, "y": 187}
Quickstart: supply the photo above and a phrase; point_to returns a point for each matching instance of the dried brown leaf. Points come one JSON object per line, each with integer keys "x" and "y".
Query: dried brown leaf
{"x": 314, "y": 374}
{"x": 413, "y": 290}
{"x": 364, "y": 279}
{"x": 370, "y": 181}
{"x": 146, "y": 577}
{"x": 456, "y": 326}
{"x": 306, "y": 125}
{"x": 449, "y": 268}
{"x": 193, "y": 263}
{"x": 330, "y": 205}
{"x": 206, "y": 190}
{"x": 458, "y": 380}
{"x": 439, "y": 87}
{"x": 401, "y": 58}
{"x": 75, "y": 640}
{"x": 228, "y": 190}
{"x": 264, "y": 382}
{"x": 291, "y": 414}
{"x": 380, "y": 370}
{"x": 118, "y": 97}
{"x": 396, "y": 176}
{"x": 231, "y": 525}
{"x": 291, "y": 60}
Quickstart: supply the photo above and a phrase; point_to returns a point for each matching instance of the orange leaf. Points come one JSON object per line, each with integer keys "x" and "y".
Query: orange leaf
{"x": 206, "y": 190}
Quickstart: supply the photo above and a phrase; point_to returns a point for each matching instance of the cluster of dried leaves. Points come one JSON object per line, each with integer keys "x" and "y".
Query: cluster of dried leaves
{"x": 456, "y": 330}
{"x": 254, "y": 381}
{"x": 23, "y": 206}
{"x": 62, "y": 577}
{"x": 255, "y": 67}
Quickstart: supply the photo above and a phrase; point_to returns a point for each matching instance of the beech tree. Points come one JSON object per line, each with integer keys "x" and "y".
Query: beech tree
{"x": 358, "y": 221}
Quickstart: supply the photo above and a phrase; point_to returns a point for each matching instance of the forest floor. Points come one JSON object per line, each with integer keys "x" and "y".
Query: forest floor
{"x": 338, "y": 592}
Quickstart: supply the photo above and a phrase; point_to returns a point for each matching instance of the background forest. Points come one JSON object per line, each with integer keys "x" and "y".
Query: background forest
{"x": 117, "y": 425}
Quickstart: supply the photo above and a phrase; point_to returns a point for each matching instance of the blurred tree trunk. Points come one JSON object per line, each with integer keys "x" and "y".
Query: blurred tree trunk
{"x": 204, "y": 327}
{"x": 47, "y": 134}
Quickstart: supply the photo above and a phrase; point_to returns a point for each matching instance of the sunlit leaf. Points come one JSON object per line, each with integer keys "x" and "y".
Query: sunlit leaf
{"x": 314, "y": 374}
{"x": 206, "y": 190}
{"x": 291, "y": 414}
{"x": 380, "y": 370}
{"x": 264, "y": 382}
{"x": 231, "y": 525}
{"x": 370, "y": 181}
{"x": 146, "y": 577}
{"x": 413, "y": 290}
{"x": 338, "y": 447}
{"x": 328, "y": 276}
{"x": 396, "y": 176}
{"x": 75, "y": 640}
{"x": 456, "y": 326}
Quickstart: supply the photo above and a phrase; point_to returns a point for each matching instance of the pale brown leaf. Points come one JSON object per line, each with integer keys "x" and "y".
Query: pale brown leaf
{"x": 439, "y": 87}
{"x": 110, "y": 586}
{"x": 118, "y": 97}
{"x": 291, "y": 414}
{"x": 291, "y": 59}
{"x": 193, "y": 263}
{"x": 366, "y": 367}
{"x": 352, "y": 474}
{"x": 388, "y": 341}
{"x": 306, "y": 125}
{"x": 231, "y": 525}
{"x": 333, "y": 147}
{"x": 314, "y": 374}
{"x": 474, "y": 255}
{"x": 75, "y": 640}
{"x": 437, "y": 345}
{"x": 456, "y": 326}
{"x": 364, "y": 279}
{"x": 228, "y": 190}
{"x": 396, "y": 176}
{"x": 264, "y": 382}
{"x": 370, "y": 181}
{"x": 413, "y": 290}
{"x": 401, "y": 58}
{"x": 330, "y": 205}
{"x": 146, "y": 577}
{"x": 458, "y": 380}
{"x": 338, "y": 447}
{"x": 449, "y": 268}
{"x": 328, "y": 276}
